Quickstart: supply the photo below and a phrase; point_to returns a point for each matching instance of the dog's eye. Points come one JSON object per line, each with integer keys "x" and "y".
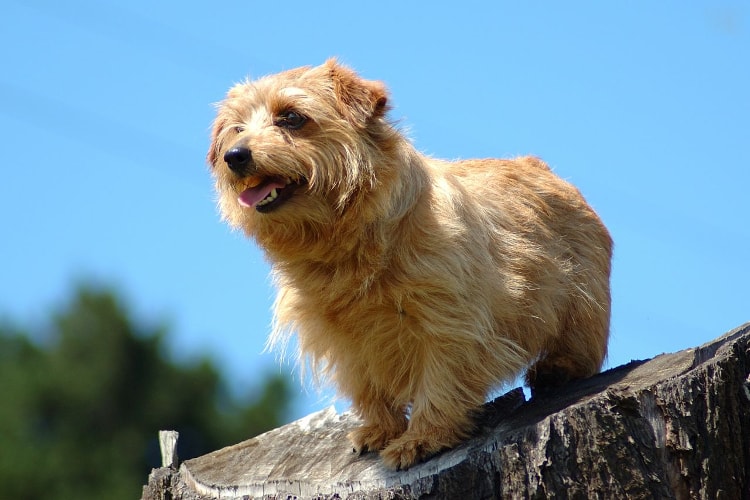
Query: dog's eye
{"x": 239, "y": 129}
{"x": 290, "y": 120}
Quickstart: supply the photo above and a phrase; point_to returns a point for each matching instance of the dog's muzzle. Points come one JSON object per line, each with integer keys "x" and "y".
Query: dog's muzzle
{"x": 262, "y": 192}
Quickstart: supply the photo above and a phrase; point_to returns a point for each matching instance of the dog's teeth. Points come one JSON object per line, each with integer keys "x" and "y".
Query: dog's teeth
{"x": 268, "y": 199}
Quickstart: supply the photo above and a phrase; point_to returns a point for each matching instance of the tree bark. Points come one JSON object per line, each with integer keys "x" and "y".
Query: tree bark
{"x": 675, "y": 426}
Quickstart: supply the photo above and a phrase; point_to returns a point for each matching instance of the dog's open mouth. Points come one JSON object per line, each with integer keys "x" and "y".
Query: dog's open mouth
{"x": 267, "y": 194}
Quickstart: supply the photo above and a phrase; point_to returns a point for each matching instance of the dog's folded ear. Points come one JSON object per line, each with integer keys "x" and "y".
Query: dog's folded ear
{"x": 213, "y": 148}
{"x": 359, "y": 100}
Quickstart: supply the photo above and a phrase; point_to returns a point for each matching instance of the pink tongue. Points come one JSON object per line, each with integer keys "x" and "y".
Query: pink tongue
{"x": 250, "y": 197}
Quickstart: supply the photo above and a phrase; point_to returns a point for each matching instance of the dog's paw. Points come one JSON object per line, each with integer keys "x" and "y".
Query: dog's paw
{"x": 410, "y": 450}
{"x": 370, "y": 438}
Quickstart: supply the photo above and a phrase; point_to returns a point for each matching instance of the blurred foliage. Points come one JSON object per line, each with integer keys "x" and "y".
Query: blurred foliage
{"x": 80, "y": 410}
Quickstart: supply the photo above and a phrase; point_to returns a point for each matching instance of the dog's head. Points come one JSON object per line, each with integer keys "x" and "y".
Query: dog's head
{"x": 297, "y": 145}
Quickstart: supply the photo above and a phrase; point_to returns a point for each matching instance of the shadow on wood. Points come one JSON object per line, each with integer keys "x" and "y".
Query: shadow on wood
{"x": 675, "y": 426}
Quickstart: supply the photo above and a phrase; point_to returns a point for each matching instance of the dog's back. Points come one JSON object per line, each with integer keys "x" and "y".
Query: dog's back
{"x": 551, "y": 254}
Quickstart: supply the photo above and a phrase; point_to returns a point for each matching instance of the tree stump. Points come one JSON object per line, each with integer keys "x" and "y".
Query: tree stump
{"x": 674, "y": 426}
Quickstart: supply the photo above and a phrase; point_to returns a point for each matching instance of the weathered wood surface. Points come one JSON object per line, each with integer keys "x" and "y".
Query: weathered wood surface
{"x": 675, "y": 426}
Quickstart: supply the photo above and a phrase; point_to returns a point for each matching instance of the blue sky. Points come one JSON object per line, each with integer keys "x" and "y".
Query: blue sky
{"x": 105, "y": 110}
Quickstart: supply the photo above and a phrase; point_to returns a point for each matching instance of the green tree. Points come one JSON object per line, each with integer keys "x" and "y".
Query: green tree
{"x": 80, "y": 410}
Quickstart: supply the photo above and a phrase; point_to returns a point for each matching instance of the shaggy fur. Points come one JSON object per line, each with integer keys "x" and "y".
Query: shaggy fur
{"x": 415, "y": 284}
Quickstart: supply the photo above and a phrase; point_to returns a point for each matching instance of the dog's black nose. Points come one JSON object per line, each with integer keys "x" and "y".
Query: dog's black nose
{"x": 238, "y": 159}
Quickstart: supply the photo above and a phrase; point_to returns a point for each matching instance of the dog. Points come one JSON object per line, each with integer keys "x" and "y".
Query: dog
{"x": 415, "y": 285}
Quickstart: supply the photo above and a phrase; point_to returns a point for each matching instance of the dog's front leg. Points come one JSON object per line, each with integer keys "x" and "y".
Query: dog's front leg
{"x": 383, "y": 422}
{"x": 441, "y": 418}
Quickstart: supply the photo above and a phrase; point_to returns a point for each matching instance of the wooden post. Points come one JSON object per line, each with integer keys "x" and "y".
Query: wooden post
{"x": 675, "y": 426}
{"x": 168, "y": 447}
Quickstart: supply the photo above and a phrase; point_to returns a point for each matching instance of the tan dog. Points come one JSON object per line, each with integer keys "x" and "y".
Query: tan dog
{"x": 415, "y": 284}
